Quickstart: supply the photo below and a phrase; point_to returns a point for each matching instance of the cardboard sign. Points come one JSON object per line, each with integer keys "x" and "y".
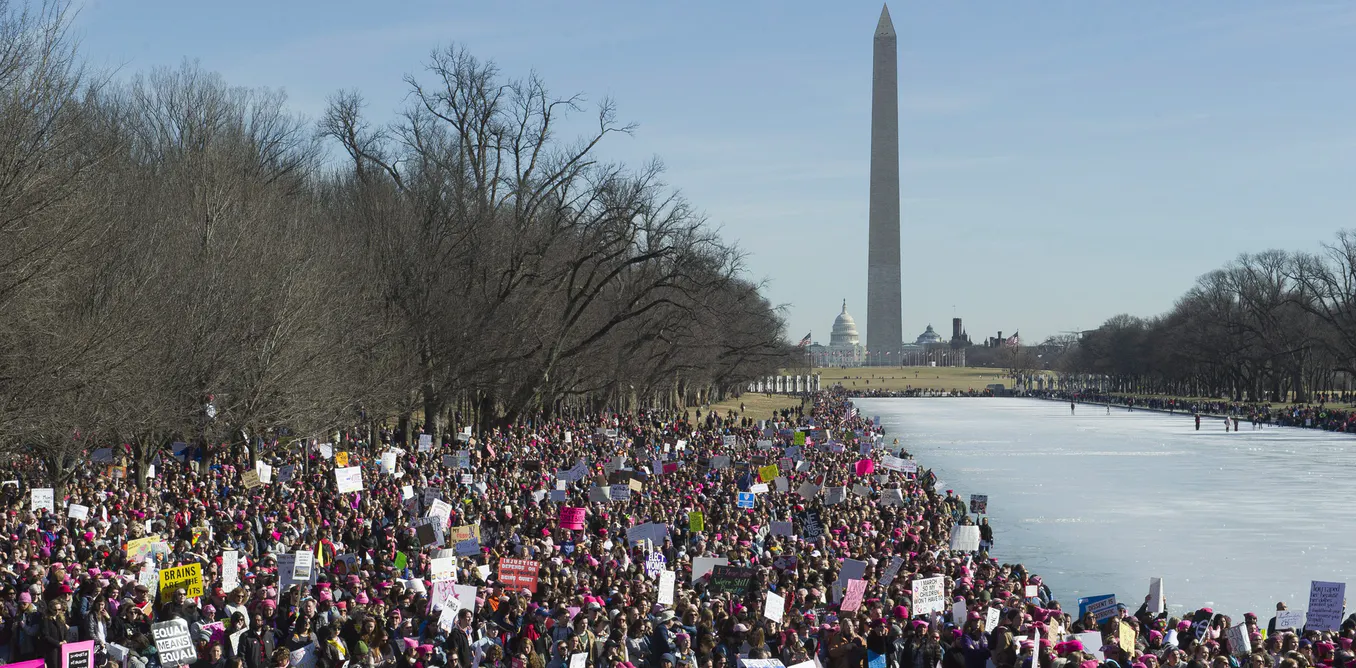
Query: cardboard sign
{"x": 1289, "y": 619}
{"x": 519, "y": 574}
{"x": 188, "y": 577}
{"x": 174, "y": 643}
{"x": 250, "y": 479}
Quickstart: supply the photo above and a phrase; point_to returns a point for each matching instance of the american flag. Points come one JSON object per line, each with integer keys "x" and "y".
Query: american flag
{"x": 1012, "y": 341}
{"x": 804, "y": 342}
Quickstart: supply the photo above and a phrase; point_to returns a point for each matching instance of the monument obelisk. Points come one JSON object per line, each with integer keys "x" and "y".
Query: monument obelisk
{"x": 884, "y": 329}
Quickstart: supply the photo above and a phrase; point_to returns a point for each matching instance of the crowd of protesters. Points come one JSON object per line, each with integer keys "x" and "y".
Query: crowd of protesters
{"x": 627, "y": 581}
{"x": 1319, "y": 416}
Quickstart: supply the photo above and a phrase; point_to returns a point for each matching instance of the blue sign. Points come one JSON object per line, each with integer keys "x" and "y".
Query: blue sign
{"x": 745, "y": 500}
{"x": 1091, "y": 602}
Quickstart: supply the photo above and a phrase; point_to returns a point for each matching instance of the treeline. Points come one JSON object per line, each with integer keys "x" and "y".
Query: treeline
{"x": 1271, "y": 326}
{"x": 182, "y": 259}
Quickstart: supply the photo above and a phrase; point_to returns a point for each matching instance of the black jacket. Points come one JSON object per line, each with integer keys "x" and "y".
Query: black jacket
{"x": 459, "y": 643}
{"x": 256, "y": 646}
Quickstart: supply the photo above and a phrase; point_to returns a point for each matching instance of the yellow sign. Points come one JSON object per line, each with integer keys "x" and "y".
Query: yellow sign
{"x": 250, "y": 479}
{"x": 798, "y": 439}
{"x": 696, "y": 521}
{"x": 466, "y": 532}
{"x": 767, "y": 473}
{"x": 187, "y": 577}
{"x": 1127, "y": 637}
{"x": 341, "y": 459}
{"x": 139, "y": 549}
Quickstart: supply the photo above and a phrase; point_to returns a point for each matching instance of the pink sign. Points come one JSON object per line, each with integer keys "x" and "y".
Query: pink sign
{"x": 78, "y": 654}
{"x": 572, "y": 518}
{"x": 853, "y": 598}
{"x": 866, "y": 466}
{"x": 35, "y": 663}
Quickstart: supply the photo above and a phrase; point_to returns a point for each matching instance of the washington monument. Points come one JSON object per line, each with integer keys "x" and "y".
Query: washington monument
{"x": 884, "y": 330}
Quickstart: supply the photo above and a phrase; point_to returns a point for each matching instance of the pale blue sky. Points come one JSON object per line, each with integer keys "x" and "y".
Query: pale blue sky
{"x": 1062, "y": 161}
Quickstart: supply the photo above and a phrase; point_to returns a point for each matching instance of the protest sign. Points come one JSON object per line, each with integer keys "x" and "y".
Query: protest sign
{"x": 1326, "y": 601}
{"x": 651, "y": 531}
{"x": 853, "y": 598}
{"x": 349, "y": 479}
{"x": 250, "y": 479}
{"x": 745, "y": 500}
{"x": 1237, "y": 636}
{"x": 807, "y": 491}
{"x": 861, "y": 490}
{"x": 442, "y": 568}
{"x": 767, "y": 473}
{"x": 1092, "y": 642}
{"x": 598, "y": 495}
{"x": 42, "y": 498}
{"x": 696, "y": 521}
{"x": 572, "y": 518}
{"x": 979, "y": 503}
{"x": 892, "y": 463}
{"x": 341, "y": 458}
{"x": 425, "y": 442}
{"x": 667, "y": 584}
{"x": 734, "y": 579}
{"x": 760, "y": 488}
{"x": 1289, "y": 619}
{"x": 958, "y": 613}
{"x": 77, "y": 654}
{"x": 285, "y": 473}
{"x": 811, "y": 525}
{"x": 1156, "y": 601}
{"x": 774, "y": 607}
{"x": 619, "y": 492}
{"x": 388, "y": 462}
{"x": 468, "y": 548}
{"x": 929, "y": 595}
{"x": 654, "y": 564}
{"x": 991, "y": 616}
{"x": 1125, "y": 636}
{"x": 442, "y": 594}
{"x": 519, "y": 574}
{"x": 187, "y": 577}
{"x": 865, "y": 467}
{"x": 301, "y": 567}
{"x": 965, "y": 538}
{"x": 891, "y": 571}
{"x": 1102, "y": 607}
{"x": 704, "y": 565}
{"x": 304, "y": 657}
{"x": 834, "y": 495}
{"x": 174, "y": 643}
{"x": 76, "y": 511}
{"x": 781, "y": 528}
{"x": 579, "y": 660}
{"x": 230, "y": 570}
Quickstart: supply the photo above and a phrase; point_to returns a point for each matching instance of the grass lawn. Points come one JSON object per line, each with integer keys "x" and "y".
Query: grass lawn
{"x": 900, "y": 378}
{"x": 757, "y": 406}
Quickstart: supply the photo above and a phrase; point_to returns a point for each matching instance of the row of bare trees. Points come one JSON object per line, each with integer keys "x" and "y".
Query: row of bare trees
{"x": 181, "y": 259}
{"x": 1270, "y": 326}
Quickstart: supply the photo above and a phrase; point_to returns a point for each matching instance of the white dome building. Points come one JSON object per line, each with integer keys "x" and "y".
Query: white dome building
{"x": 845, "y": 347}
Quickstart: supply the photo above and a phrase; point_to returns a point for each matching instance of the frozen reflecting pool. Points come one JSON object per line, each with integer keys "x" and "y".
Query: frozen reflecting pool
{"x": 1098, "y": 503}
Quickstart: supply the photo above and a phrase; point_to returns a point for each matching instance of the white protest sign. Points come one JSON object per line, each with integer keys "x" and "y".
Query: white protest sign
{"x": 230, "y": 570}
{"x": 444, "y": 568}
{"x": 991, "y": 619}
{"x": 703, "y": 565}
{"x": 774, "y": 607}
{"x": 388, "y": 462}
{"x": 929, "y": 595}
{"x": 1092, "y": 642}
{"x": 781, "y": 528}
{"x": 1238, "y": 640}
{"x": 77, "y": 512}
{"x": 667, "y": 584}
{"x": 43, "y": 497}
{"x": 264, "y": 471}
{"x": 891, "y": 571}
{"x": 349, "y": 479}
{"x": 965, "y": 538}
{"x": 1156, "y": 602}
{"x": 301, "y": 568}
{"x": 1289, "y": 619}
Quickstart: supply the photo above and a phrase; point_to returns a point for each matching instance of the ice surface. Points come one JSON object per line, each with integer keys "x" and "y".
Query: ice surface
{"x": 1098, "y": 504}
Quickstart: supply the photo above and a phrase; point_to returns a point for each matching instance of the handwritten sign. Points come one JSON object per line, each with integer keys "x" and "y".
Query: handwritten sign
{"x": 519, "y": 574}
{"x": 929, "y": 595}
{"x": 1326, "y": 601}
{"x": 853, "y": 598}
{"x": 572, "y": 518}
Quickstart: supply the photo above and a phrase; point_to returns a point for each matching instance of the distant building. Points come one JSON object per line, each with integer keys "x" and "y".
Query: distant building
{"x": 845, "y": 347}
{"x": 959, "y": 339}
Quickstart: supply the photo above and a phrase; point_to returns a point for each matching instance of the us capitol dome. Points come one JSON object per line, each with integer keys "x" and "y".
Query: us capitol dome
{"x": 845, "y": 346}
